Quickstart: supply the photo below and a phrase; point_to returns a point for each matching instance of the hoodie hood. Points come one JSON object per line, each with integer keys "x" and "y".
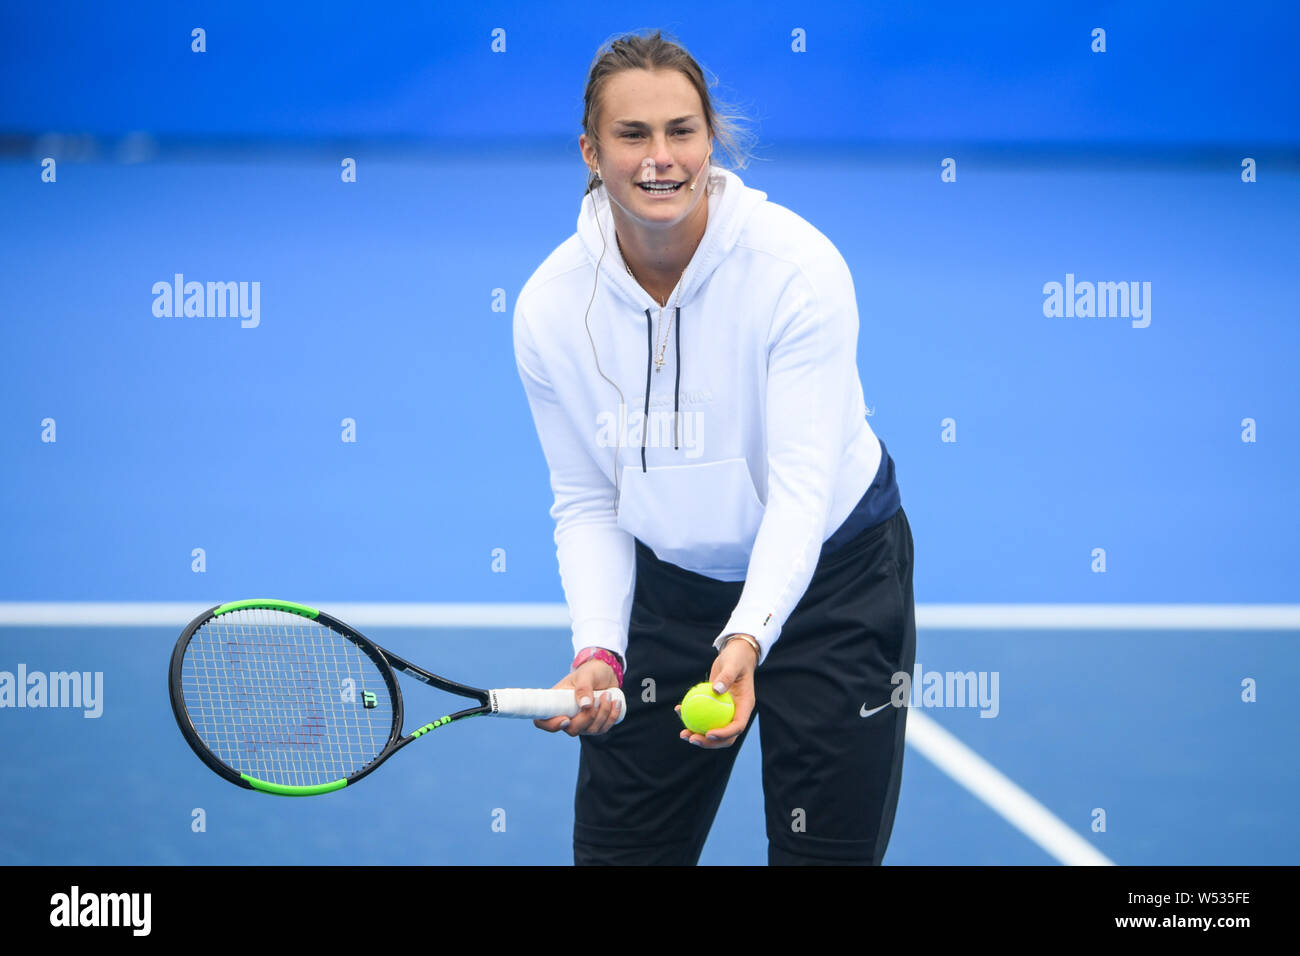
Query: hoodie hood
{"x": 731, "y": 203}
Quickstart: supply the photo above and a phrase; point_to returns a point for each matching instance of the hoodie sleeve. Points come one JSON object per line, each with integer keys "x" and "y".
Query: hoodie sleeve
{"x": 812, "y": 362}
{"x": 597, "y": 558}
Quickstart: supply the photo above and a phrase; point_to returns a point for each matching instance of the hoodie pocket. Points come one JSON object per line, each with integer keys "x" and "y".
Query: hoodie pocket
{"x": 701, "y": 517}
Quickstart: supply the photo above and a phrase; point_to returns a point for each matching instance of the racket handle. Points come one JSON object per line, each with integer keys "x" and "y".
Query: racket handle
{"x": 540, "y": 704}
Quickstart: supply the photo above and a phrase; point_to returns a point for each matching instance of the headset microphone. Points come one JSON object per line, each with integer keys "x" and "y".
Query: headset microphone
{"x": 703, "y": 167}
{"x": 586, "y": 321}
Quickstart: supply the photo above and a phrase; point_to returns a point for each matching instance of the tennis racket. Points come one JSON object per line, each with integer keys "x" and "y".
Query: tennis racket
{"x": 282, "y": 698}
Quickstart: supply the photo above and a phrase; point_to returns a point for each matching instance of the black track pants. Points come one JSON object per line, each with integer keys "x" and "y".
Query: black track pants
{"x": 830, "y": 775}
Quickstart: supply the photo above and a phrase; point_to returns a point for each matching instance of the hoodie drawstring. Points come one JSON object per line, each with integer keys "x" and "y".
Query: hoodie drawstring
{"x": 677, "y": 382}
{"x": 677, "y": 358}
{"x": 649, "y": 359}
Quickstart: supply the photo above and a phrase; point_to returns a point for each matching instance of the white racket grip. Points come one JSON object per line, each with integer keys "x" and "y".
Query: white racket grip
{"x": 538, "y": 704}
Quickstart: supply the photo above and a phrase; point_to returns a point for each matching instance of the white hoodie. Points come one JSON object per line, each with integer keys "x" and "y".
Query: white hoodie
{"x": 773, "y": 446}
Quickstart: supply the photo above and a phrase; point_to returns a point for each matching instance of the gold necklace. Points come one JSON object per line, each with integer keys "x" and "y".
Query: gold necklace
{"x": 663, "y": 345}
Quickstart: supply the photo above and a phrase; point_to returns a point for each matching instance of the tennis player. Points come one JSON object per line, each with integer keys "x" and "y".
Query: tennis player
{"x": 723, "y": 510}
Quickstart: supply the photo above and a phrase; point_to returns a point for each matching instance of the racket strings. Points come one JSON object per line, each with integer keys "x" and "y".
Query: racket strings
{"x": 284, "y": 699}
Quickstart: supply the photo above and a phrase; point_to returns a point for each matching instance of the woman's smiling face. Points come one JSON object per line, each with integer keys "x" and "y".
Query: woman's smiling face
{"x": 653, "y": 144}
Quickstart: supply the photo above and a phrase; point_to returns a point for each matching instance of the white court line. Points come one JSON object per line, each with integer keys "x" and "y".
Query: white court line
{"x": 178, "y": 614}
{"x": 1046, "y": 617}
{"x": 1096, "y": 617}
{"x": 989, "y": 784}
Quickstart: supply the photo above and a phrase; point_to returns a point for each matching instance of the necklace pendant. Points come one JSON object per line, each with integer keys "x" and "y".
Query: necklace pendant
{"x": 659, "y": 365}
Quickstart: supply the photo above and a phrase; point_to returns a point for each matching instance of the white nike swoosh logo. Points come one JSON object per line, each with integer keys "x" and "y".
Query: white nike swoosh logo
{"x": 875, "y": 710}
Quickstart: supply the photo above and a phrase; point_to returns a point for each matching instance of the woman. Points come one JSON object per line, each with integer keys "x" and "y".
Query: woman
{"x": 753, "y": 533}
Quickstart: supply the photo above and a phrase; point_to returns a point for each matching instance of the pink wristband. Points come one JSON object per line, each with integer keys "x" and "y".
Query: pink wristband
{"x": 600, "y": 654}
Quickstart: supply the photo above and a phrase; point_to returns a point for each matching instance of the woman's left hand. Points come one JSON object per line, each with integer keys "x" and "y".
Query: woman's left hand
{"x": 733, "y": 671}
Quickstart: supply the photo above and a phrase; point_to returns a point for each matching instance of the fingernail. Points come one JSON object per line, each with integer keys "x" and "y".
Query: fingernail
{"x": 719, "y": 687}
{"x": 711, "y": 736}
{"x": 564, "y": 723}
{"x": 697, "y": 743}
{"x": 584, "y": 703}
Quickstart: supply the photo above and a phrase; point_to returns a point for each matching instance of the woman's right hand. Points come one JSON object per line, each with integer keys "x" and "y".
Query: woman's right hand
{"x": 599, "y": 715}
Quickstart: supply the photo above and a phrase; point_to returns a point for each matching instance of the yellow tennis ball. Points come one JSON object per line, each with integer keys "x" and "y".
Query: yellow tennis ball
{"x": 703, "y": 710}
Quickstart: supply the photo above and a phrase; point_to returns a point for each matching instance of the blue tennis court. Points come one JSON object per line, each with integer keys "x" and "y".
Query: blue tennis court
{"x": 366, "y": 441}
